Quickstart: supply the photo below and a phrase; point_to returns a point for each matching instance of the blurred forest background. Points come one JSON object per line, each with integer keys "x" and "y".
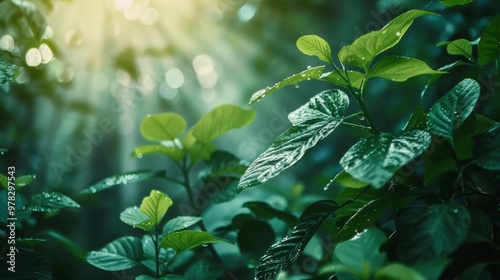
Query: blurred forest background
{"x": 93, "y": 69}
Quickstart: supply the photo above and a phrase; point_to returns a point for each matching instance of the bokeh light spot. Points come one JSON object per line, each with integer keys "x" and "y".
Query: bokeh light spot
{"x": 46, "y": 52}
{"x": 123, "y": 4}
{"x": 246, "y": 12}
{"x": 73, "y": 38}
{"x": 33, "y": 57}
{"x": 174, "y": 78}
{"x": 7, "y": 43}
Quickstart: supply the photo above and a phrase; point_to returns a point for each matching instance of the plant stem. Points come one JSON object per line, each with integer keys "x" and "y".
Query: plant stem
{"x": 157, "y": 251}
{"x": 357, "y": 126}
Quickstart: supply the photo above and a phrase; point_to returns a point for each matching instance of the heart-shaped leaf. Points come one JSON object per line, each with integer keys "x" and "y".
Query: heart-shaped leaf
{"x": 133, "y": 216}
{"x": 123, "y": 253}
{"x": 399, "y": 69}
{"x": 374, "y": 160}
{"x": 162, "y": 127}
{"x": 184, "y": 240}
{"x": 156, "y": 205}
{"x": 451, "y": 110}
{"x": 459, "y": 47}
{"x": 312, "y": 73}
{"x": 364, "y": 49}
{"x": 283, "y": 254}
{"x": 50, "y": 202}
{"x": 311, "y": 123}
{"x": 314, "y": 45}
{"x": 489, "y": 49}
{"x": 123, "y": 179}
{"x": 431, "y": 232}
{"x": 220, "y": 120}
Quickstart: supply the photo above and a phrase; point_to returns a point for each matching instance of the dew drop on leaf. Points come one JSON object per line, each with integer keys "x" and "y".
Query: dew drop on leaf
{"x": 398, "y": 34}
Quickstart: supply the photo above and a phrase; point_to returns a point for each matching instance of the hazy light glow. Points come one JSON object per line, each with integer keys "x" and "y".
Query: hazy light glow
{"x": 73, "y": 38}
{"x": 46, "y": 52}
{"x": 246, "y": 12}
{"x": 7, "y": 43}
{"x": 203, "y": 65}
{"x": 33, "y": 57}
{"x": 123, "y": 4}
{"x": 149, "y": 16}
{"x": 174, "y": 78}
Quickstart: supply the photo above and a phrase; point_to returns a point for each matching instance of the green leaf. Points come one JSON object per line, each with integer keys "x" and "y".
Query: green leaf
{"x": 451, "y": 110}
{"x": 50, "y": 202}
{"x": 432, "y": 269}
{"x": 314, "y": 45}
{"x": 312, "y": 73}
{"x": 121, "y": 254}
{"x": 369, "y": 213}
{"x": 490, "y": 161}
{"x": 460, "y": 47}
{"x": 172, "y": 151}
{"x": 68, "y": 244}
{"x": 123, "y": 179}
{"x": 180, "y": 223}
{"x": 438, "y": 161}
{"x": 204, "y": 270}
{"x": 21, "y": 212}
{"x": 135, "y": 217}
{"x": 4, "y": 181}
{"x": 254, "y": 237}
{"x": 360, "y": 256}
{"x": 399, "y": 69}
{"x": 346, "y": 180}
{"x": 265, "y": 211}
{"x": 8, "y": 73}
{"x": 489, "y": 49}
{"x": 311, "y": 123}
{"x": 167, "y": 277}
{"x": 30, "y": 241}
{"x": 23, "y": 181}
{"x": 355, "y": 78}
{"x": 374, "y": 160}
{"x": 451, "y": 3}
{"x": 283, "y": 254}
{"x": 162, "y": 127}
{"x": 394, "y": 271}
{"x": 417, "y": 120}
{"x": 185, "y": 240}
{"x": 431, "y": 232}
{"x": 149, "y": 255}
{"x": 220, "y": 120}
{"x": 364, "y": 49}
{"x": 156, "y": 205}
{"x": 363, "y": 197}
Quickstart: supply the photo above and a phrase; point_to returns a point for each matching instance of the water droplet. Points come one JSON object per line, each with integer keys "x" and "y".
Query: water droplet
{"x": 362, "y": 58}
{"x": 296, "y": 85}
{"x": 139, "y": 155}
{"x": 398, "y": 34}
{"x": 309, "y": 67}
{"x": 454, "y": 210}
{"x": 204, "y": 245}
{"x": 361, "y": 117}
{"x": 148, "y": 116}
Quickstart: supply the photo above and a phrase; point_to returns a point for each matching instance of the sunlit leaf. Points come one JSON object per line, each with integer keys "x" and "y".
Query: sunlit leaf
{"x": 399, "y": 69}
{"x": 220, "y": 120}
{"x": 283, "y": 254}
{"x": 346, "y": 180}
{"x": 123, "y": 253}
{"x": 312, "y": 73}
{"x": 451, "y": 3}
{"x": 265, "y": 211}
{"x": 123, "y": 179}
{"x": 4, "y": 181}
{"x": 311, "y": 123}
{"x": 489, "y": 49}
{"x": 355, "y": 78}
{"x": 162, "y": 127}
{"x": 24, "y": 180}
{"x": 451, "y": 110}
{"x": 374, "y": 160}
{"x": 135, "y": 217}
{"x": 156, "y": 205}
{"x": 314, "y": 45}
{"x": 460, "y": 47}
{"x": 394, "y": 271}
{"x": 184, "y": 240}
{"x": 430, "y": 232}
{"x": 172, "y": 151}
{"x": 8, "y": 73}
{"x": 180, "y": 223}
{"x": 364, "y": 49}
{"x": 50, "y": 202}
{"x": 360, "y": 256}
